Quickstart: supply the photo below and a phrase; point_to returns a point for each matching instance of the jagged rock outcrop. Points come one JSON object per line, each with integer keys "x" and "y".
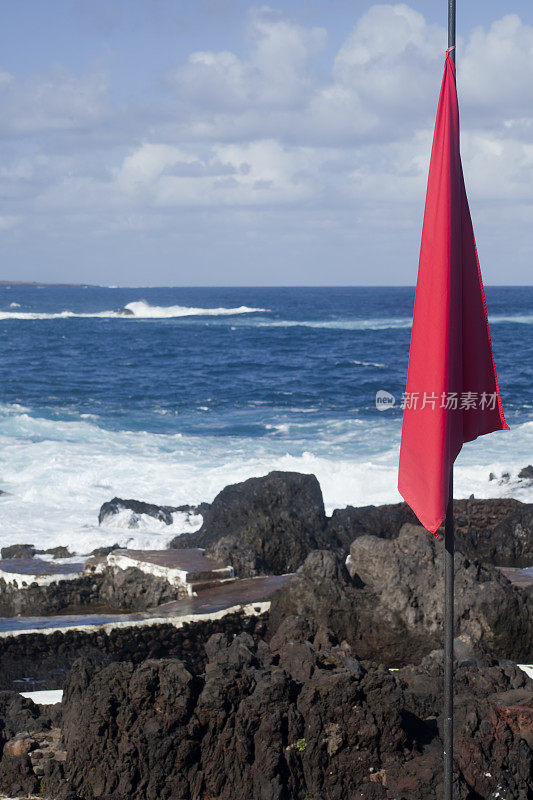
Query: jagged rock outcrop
{"x": 407, "y": 577}
{"x": 30, "y": 744}
{"x": 496, "y": 531}
{"x": 390, "y": 607}
{"x": 264, "y": 525}
{"x": 384, "y": 521}
{"x": 301, "y": 717}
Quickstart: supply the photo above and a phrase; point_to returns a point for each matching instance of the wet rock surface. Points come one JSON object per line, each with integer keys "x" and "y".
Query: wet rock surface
{"x": 264, "y": 525}
{"x": 29, "y": 551}
{"x": 526, "y": 473}
{"x": 389, "y": 604}
{"x": 138, "y": 507}
{"x": 18, "y": 551}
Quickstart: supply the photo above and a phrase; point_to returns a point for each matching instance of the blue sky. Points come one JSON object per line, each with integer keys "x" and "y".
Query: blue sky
{"x": 147, "y": 142}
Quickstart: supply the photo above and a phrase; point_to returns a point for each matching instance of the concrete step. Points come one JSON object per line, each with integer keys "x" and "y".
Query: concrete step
{"x": 185, "y": 568}
{"x": 202, "y": 585}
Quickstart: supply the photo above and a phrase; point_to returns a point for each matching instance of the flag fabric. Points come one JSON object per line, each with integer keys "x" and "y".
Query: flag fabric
{"x": 452, "y": 393}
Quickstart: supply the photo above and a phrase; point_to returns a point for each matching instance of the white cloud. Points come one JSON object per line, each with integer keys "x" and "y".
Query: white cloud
{"x": 496, "y": 69}
{"x": 272, "y": 135}
{"x": 143, "y": 167}
{"x": 391, "y": 59}
{"x": 273, "y": 75}
{"x": 498, "y": 168}
{"x": 58, "y": 101}
{"x": 162, "y": 176}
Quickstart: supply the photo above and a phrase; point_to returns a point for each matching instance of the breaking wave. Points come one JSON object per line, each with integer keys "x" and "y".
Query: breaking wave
{"x": 138, "y": 309}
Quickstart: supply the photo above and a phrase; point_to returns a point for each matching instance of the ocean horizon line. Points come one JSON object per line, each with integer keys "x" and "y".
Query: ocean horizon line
{"x": 82, "y": 285}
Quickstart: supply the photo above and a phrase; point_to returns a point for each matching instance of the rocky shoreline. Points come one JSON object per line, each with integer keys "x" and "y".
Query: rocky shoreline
{"x": 335, "y": 692}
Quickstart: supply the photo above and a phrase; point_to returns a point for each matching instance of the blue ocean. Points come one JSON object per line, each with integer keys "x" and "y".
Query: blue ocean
{"x": 169, "y": 394}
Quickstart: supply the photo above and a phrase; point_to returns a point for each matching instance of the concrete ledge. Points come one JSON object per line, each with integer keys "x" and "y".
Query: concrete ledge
{"x": 22, "y": 572}
{"x": 181, "y": 568}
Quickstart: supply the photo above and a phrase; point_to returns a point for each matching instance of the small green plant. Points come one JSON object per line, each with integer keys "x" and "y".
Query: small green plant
{"x": 308, "y": 796}
{"x": 301, "y": 744}
{"x": 42, "y": 788}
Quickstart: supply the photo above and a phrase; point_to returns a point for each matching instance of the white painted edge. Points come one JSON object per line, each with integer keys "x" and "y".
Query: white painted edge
{"x": 249, "y": 610}
{"x": 25, "y": 580}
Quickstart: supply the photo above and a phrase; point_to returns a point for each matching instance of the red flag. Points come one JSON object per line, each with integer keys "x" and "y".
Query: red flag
{"x": 452, "y": 393}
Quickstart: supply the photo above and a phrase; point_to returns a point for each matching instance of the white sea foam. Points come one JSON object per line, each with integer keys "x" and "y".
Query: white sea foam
{"x": 377, "y": 324}
{"x": 139, "y": 309}
{"x": 339, "y": 324}
{"x": 59, "y": 473}
{"x": 368, "y": 364}
{"x": 127, "y": 520}
{"x": 521, "y": 319}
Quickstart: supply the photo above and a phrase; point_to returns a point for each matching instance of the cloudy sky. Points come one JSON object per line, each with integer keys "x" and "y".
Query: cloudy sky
{"x": 218, "y": 142}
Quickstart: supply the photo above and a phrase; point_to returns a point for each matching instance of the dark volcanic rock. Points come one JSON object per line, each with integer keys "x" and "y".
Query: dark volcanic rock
{"x": 526, "y": 473}
{"x": 59, "y": 597}
{"x": 383, "y": 521}
{"x": 57, "y": 552}
{"x": 497, "y": 531}
{"x": 17, "y": 714}
{"x": 18, "y": 551}
{"x": 161, "y": 513}
{"x": 45, "y": 659}
{"x": 24, "y": 729}
{"x": 406, "y": 575}
{"x": 300, "y": 718}
{"x": 112, "y": 590}
{"x": 392, "y": 607}
{"x": 104, "y": 551}
{"x": 264, "y": 525}
{"x": 493, "y": 709}
{"x": 133, "y": 589}
{"x": 321, "y": 590}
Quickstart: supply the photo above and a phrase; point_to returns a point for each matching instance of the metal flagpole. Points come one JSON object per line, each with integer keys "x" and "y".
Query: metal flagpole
{"x": 449, "y": 570}
{"x": 448, "y": 645}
